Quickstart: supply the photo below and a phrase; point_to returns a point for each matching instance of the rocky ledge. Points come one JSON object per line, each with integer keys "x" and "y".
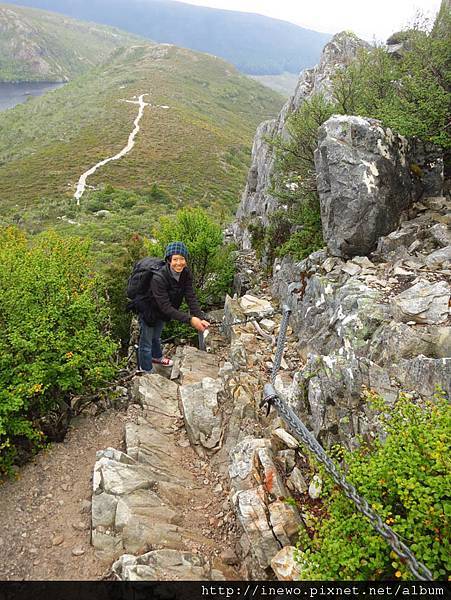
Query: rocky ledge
{"x": 380, "y": 321}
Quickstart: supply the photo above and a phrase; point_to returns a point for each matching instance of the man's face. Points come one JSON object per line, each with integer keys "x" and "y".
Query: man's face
{"x": 178, "y": 263}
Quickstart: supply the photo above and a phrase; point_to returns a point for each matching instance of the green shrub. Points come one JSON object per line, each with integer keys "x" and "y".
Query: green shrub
{"x": 406, "y": 479}
{"x": 306, "y": 233}
{"x": 55, "y": 341}
{"x": 116, "y": 277}
{"x": 258, "y": 237}
{"x": 294, "y": 176}
{"x": 409, "y": 93}
{"x": 159, "y": 194}
{"x": 211, "y": 262}
{"x": 296, "y": 228}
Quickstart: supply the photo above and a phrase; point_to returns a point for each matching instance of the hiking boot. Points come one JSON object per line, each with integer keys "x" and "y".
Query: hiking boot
{"x": 163, "y": 361}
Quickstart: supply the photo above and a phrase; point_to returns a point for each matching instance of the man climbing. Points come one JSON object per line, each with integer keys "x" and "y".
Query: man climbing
{"x": 168, "y": 287}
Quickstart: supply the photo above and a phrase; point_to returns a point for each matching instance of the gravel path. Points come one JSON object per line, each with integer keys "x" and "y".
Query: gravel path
{"x": 131, "y": 142}
{"x": 45, "y": 515}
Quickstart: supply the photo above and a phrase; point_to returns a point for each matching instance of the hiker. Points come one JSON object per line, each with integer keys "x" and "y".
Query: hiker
{"x": 168, "y": 287}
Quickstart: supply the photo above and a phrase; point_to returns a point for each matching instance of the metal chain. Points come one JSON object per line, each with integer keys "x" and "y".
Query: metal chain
{"x": 235, "y": 322}
{"x": 280, "y": 342}
{"x": 271, "y": 397}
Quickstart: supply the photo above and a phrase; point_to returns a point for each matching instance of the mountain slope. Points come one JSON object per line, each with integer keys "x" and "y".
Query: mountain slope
{"x": 41, "y": 46}
{"x": 254, "y": 43}
{"x": 196, "y": 152}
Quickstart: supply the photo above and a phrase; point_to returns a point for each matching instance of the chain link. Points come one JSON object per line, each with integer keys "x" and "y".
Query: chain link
{"x": 280, "y": 342}
{"x": 271, "y": 397}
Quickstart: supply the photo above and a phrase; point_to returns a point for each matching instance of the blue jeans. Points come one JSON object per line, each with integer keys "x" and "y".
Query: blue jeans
{"x": 149, "y": 344}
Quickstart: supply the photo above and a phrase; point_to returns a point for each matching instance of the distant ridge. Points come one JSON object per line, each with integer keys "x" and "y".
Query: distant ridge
{"x": 193, "y": 146}
{"x": 36, "y": 45}
{"x": 255, "y": 44}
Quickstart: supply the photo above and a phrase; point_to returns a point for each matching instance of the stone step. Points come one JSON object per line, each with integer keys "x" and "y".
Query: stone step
{"x": 163, "y": 565}
{"x": 158, "y": 452}
{"x": 192, "y": 365}
{"x": 139, "y": 495}
{"x": 144, "y": 496}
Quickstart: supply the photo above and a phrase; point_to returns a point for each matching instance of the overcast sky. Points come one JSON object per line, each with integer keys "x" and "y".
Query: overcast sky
{"x": 367, "y": 18}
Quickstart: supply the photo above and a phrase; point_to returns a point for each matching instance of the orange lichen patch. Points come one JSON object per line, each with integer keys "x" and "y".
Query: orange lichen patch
{"x": 269, "y": 481}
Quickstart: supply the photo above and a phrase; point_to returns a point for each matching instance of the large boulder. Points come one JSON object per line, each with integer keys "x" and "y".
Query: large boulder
{"x": 363, "y": 180}
{"x": 257, "y": 203}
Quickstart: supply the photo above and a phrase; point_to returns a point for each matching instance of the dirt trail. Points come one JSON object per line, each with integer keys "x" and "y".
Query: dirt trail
{"x": 81, "y": 185}
{"x": 45, "y": 515}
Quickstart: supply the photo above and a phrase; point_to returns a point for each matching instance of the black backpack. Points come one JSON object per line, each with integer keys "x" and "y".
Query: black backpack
{"x": 139, "y": 280}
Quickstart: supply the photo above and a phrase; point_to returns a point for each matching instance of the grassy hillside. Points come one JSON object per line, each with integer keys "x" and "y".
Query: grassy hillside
{"x": 197, "y": 152}
{"x": 40, "y": 46}
{"x": 254, "y": 43}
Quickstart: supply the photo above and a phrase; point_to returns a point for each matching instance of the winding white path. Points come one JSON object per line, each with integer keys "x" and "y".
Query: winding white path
{"x": 81, "y": 186}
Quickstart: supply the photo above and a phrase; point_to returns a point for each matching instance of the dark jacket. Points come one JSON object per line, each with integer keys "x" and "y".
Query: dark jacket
{"x": 163, "y": 299}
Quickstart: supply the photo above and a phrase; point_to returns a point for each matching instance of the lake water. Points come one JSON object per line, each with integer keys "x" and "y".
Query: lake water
{"x": 12, "y": 94}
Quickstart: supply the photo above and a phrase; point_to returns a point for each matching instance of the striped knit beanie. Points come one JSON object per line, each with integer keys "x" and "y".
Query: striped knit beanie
{"x": 176, "y": 248}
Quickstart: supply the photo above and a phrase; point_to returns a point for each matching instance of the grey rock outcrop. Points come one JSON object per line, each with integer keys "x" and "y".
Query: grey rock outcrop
{"x": 265, "y": 465}
{"x": 380, "y": 321}
{"x": 257, "y": 203}
{"x": 365, "y": 181}
{"x": 269, "y": 523}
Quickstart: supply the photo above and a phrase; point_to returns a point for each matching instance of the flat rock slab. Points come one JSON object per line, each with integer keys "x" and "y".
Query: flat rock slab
{"x": 192, "y": 365}
{"x": 158, "y": 397}
{"x": 164, "y": 565}
{"x": 424, "y": 302}
{"x": 118, "y": 478}
{"x": 145, "y": 505}
{"x": 157, "y": 451}
{"x": 255, "y": 307}
{"x": 156, "y": 391}
{"x": 203, "y": 418}
{"x": 139, "y": 535}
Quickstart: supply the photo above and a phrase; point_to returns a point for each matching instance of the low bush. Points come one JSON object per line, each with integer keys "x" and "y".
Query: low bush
{"x": 296, "y": 227}
{"x": 409, "y": 92}
{"x": 55, "y": 340}
{"x": 211, "y": 262}
{"x": 116, "y": 274}
{"x": 406, "y": 479}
